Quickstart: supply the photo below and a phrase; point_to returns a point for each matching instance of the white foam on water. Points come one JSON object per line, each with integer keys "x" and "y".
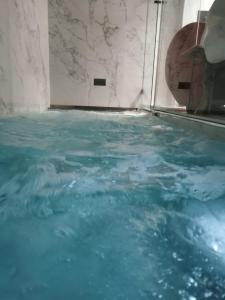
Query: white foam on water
{"x": 135, "y": 113}
{"x": 162, "y": 128}
{"x": 206, "y": 183}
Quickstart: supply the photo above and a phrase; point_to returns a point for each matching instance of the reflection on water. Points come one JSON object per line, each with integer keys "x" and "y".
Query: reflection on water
{"x": 109, "y": 206}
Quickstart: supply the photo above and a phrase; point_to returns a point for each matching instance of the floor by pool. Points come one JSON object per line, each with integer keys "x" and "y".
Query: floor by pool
{"x": 109, "y": 206}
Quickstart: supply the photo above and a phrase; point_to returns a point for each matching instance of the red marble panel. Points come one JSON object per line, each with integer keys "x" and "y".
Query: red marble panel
{"x": 185, "y": 66}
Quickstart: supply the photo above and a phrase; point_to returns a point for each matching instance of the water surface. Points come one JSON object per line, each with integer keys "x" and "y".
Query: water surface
{"x": 109, "y": 206}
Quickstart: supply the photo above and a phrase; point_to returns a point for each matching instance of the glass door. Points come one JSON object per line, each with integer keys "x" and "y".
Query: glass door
{"x": 150, "y": 52}
{"x": 191, "y": 61}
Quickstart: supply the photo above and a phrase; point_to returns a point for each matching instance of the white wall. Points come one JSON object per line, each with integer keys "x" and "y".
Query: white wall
{"x": 99, "y": 39}
{"x": 24, "y": 56}
{"x": 191, "y": 8}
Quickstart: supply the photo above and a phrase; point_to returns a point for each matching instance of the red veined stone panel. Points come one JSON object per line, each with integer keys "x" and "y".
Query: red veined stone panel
{"x": 185, "y": 65}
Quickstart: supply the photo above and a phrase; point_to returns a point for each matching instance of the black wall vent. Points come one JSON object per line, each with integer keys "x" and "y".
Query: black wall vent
{"x": 100, "y": 82}
{"x": 184, "y": 85}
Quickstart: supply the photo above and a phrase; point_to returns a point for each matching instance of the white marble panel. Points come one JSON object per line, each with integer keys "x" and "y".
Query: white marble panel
{"x": 4, "y": 60}
{"x": 24, "y": 56}
{"x": 98, "y": 39}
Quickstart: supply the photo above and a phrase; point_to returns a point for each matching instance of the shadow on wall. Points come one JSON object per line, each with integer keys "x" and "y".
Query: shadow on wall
{"x": 195, "y": 65}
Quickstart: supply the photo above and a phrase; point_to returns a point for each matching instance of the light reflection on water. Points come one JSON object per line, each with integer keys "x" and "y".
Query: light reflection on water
{"x": 109, "y": 206}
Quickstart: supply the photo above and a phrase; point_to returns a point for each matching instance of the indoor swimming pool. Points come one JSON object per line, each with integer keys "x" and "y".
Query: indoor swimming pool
{"x": 110, "y": 206}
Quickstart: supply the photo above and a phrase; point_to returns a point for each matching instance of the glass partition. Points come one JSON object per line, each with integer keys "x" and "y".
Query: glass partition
{"x": 191, "y": 60}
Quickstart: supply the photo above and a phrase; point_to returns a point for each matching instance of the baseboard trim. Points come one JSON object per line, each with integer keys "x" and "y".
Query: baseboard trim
{"x": 90, "y": 108}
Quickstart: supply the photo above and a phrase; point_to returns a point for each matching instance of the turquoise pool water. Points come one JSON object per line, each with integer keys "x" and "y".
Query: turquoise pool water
{"x": 109, "y": 207}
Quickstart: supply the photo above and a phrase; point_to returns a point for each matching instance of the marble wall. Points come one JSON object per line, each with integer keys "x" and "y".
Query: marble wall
{"x": 4, "y": 59}
{"x": 24, "y": 56}
{"x": 101, "y": 39}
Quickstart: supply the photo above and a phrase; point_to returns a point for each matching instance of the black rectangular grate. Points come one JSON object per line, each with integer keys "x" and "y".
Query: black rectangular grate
{"x": 184, "y": 85}
{"x": 100, "y": 82}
